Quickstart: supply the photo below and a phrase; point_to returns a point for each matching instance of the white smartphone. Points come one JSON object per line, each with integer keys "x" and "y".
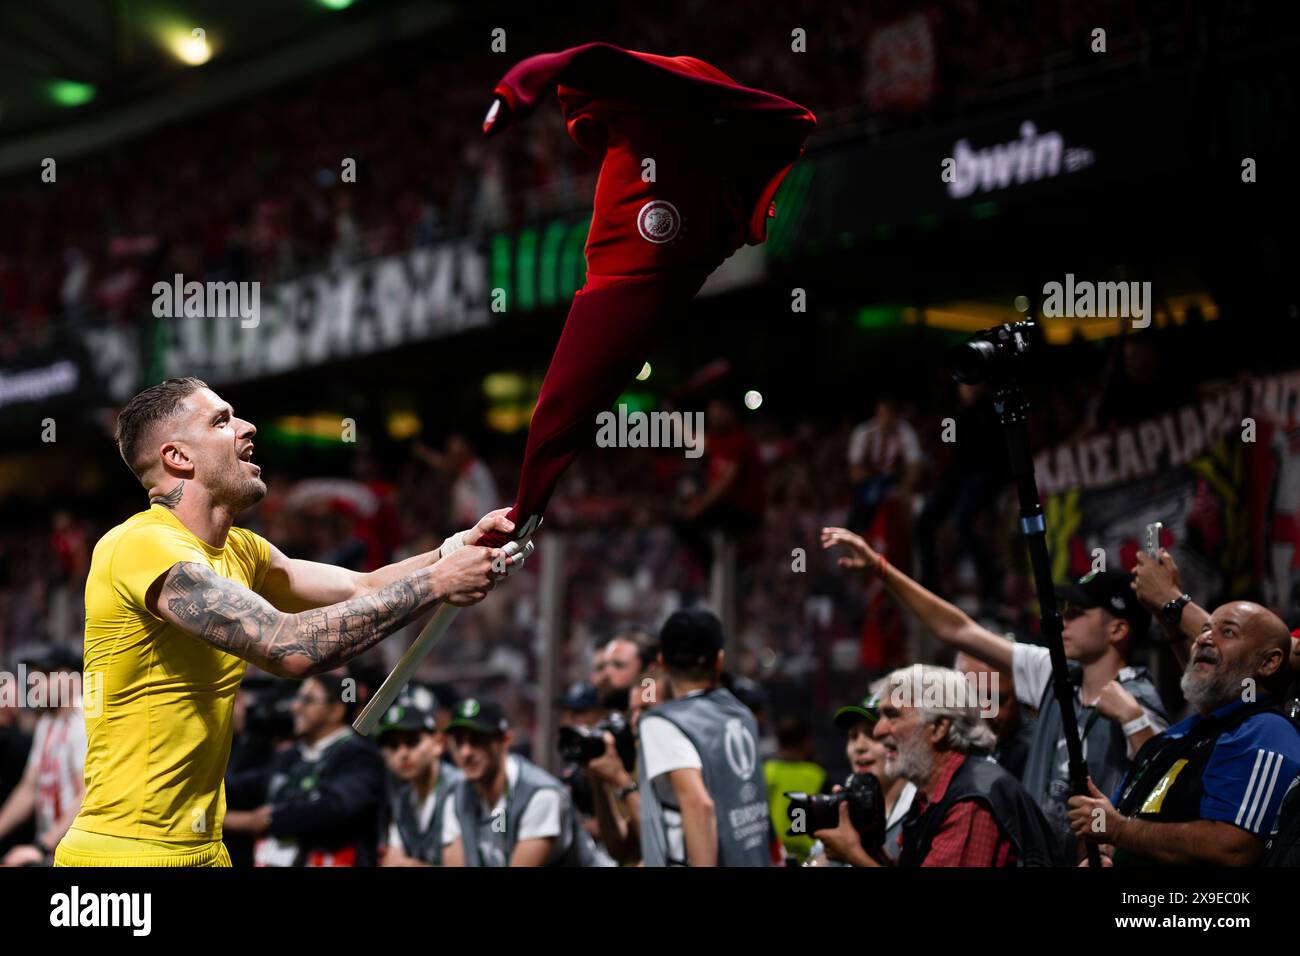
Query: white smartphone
{"x": 1153, "y": 539}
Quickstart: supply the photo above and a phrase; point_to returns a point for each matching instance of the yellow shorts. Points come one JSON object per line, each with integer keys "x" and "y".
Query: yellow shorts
{"x": 83, "y": 848}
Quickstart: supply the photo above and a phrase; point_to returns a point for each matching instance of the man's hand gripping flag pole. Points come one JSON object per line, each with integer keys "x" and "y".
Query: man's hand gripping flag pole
{"x": 401, "y": 675}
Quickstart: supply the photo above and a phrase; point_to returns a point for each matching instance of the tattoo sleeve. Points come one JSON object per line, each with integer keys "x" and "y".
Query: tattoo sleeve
{"x": 235, "y": 619}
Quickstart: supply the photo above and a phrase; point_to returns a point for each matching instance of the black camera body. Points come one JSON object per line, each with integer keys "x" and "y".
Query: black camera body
{"x": 994, "y": 355}
{"x": 581, "y": 745}
{"x": 821, "y": 811}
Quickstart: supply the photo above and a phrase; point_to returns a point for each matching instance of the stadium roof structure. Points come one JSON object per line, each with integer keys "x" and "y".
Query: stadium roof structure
{"x": 76, "y": 75}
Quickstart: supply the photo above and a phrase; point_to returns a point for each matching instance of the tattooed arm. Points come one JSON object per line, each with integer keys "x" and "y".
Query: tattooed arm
{"x": 230, "y": 616}
{"x": 292, "y": 584}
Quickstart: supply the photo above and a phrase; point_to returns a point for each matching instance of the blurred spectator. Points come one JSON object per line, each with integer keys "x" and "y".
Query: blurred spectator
{"x": 965, "y": 489}
{"x": 733, "y": 498}
{"x": 473, "y": 492}
{"x": 15, "y": 745}
{"x": 1013, "y": 727}
{"x": 53, "y": 783}
{"x": 884, "y": 461}
{"x": 792, "y": 769}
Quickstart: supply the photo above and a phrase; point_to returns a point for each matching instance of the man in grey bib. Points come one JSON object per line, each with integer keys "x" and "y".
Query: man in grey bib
{"x": 703, "y": 798}
{"x": 421, "y": 785}
{"x": 506, "y": 811}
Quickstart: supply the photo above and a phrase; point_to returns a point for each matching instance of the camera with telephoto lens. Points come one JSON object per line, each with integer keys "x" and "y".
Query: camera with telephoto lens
{"x": 581, "y": 745}
{"x": 993, "y": 355}
{"x": 810, "y": 812}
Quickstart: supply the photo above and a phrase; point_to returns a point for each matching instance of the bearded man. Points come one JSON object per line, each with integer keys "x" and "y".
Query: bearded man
{"x": 1209, "y": 789}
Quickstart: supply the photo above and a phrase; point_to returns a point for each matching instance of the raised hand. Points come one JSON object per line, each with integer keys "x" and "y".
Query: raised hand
{"x": 1156, "y": 580}
{"x": 861, "y": 554}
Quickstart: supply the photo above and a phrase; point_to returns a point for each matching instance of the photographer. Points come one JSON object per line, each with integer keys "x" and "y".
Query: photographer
{"x": 419, "y": 795}
{"x": 702, "y": 796}
{"x": 867, "y": 757}
{"x": 968, "y": 811}
{"x": 1209, "y": 789}
{"x": 619, "y": 665}
{"x": 1117, "y": 705}
{"x": 506, "y": 811}
{"x": 320, "y": 798}
{"x": 616, "y": 799}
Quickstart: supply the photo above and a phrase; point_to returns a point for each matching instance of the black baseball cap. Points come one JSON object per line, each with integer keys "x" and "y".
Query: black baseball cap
{"x": 691, "y": 637}
{"x": 485, "y": 716}
{"x": 406, "y": 715}
{"x": 580, "y": 696}
{"x": 1112, "y": 590}
{"x": 868, "y": 710}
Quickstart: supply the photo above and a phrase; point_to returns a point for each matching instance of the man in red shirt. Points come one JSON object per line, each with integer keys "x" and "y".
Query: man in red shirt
{"x": 734, "y": 495}
{"x": 968, "y": 811}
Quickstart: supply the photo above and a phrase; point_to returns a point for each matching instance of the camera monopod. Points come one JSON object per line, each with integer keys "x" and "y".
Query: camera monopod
{"x": 994, "y": 356}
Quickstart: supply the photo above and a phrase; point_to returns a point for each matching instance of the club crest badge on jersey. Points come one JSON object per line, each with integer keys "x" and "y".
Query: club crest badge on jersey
{"x": 658, "y": 221}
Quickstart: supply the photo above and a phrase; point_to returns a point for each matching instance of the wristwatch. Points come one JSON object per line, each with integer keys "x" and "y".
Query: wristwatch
{"x": 625, "y": 792}
{"x": 1172, "y": 612}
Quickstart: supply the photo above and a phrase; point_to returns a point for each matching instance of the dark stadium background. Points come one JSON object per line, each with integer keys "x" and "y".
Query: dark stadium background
{"x": 230, "y": 170}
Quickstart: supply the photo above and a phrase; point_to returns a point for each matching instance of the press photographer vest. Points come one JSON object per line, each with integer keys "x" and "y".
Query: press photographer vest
{"x": 725, "y": 734}
{"x": 423, "y": 843}
{"x": 475, "y": 828}
{"x": 1104, "y": 744}
{"x": 1017, "y": 815}
{"x": 1166, "y": 781}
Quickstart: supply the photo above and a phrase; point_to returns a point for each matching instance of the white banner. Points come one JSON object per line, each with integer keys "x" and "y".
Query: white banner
{"x": 423, "y": 294}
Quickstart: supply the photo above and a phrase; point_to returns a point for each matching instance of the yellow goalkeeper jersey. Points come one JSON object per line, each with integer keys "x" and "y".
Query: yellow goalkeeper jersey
{"x": 159, "y": 702}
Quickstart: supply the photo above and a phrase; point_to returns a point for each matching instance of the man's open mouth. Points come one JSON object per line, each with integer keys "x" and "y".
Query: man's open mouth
{"x": 246, "y": 456}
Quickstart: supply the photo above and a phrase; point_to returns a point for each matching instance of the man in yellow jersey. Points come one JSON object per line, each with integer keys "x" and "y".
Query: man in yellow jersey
{"x": 178, "y": 599}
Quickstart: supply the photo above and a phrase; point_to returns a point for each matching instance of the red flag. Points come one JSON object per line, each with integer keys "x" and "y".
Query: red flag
{"x": 720, "y": 151}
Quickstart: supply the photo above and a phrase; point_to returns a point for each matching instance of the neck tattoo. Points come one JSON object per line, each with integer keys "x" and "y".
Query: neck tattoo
{"x": 171, "y": 499}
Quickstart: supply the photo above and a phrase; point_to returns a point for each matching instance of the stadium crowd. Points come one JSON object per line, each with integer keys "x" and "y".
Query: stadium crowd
{"x": 274, "y": 207}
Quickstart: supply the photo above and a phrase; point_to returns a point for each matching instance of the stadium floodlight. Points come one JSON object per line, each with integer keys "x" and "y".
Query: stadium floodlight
{"x": 753, "y": 399}
{"x": 71, "y": 93}
{"x": 335, "y": 4}
{"x": 192, "y": 48}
